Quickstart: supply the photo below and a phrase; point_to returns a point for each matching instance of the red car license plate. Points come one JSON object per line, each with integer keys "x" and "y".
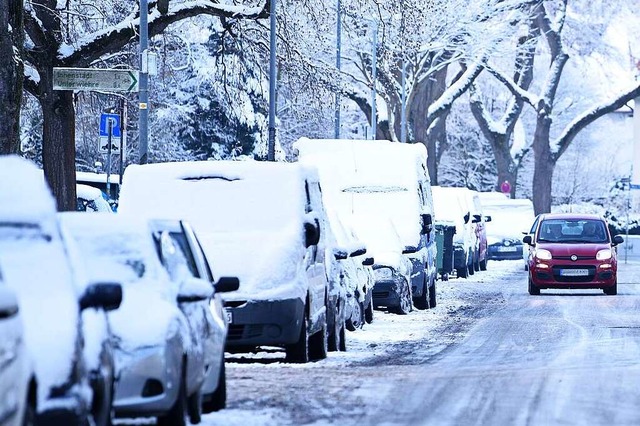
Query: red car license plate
{"x": 574, "y": 272}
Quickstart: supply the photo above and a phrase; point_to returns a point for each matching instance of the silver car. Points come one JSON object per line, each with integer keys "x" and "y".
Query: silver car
{"x": 190, "y": 262}
{"x": 160, "y": 366}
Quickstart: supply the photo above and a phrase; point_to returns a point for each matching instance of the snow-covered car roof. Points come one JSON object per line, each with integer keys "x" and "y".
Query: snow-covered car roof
{"x": 25, "y": 196}
{"x": 248, "y": 215}
{"x": 373, "y": 177}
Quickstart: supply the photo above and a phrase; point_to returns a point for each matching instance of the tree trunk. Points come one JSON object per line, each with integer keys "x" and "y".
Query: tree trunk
{"x": 59, "y": 159}
{"x": 544, "y": 165}
{"x": 11, "y": 75}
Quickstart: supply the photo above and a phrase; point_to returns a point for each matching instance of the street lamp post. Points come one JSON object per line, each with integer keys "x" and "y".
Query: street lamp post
{"x": 143, "y": 95}
{"x": 271, "y": 148}
{"x": 374, "y": 76}
{"x": 338, "y": 66}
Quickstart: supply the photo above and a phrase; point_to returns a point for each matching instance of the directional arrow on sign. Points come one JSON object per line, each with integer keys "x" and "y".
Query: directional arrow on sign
{"x": 114, "y": 80}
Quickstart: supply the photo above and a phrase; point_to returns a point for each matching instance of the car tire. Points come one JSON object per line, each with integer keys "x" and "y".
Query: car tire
{"x": 334, "y": 331}
{"x": 422, "y": 302}
{"x": 432, "y": 294}
{"x": 218, "y": 399}
{"x": 194, "y": 407}
{"x": 483, "y": 265}
{"x": 462, "y": 272}
{"x": 476, "y": 263}
{"x": 177, "y": 415}
{"x": 319, "y": 344}
{"x": 355, "y": 321}
{"x": 471, "y": 269}
{"x": 405, "y": 301}
{"x": 611, "y": 291}
{"x": 368, "y": 312}
{"x": 343, "y": 340}
{"x": 299, "y": 352}
{"x": 533, "y": 290}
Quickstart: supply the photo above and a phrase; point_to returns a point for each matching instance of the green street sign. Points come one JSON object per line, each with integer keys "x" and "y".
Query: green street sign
{"x": 114, "y": 80}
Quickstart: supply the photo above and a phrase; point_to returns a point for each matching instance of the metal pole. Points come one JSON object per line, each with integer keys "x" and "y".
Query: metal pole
{"x": 123, "y": 138}
{"x": 403, "y": 109}
{"x": 338, "y": 66}
{"x": 109, "y": 142}
{"x": 271, "y": 148}
{"x": 374, "y": 76}
{"x": 143, "y": 95}
{"x": 626, "y": 240}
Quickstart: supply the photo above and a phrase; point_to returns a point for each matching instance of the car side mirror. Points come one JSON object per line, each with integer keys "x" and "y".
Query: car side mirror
{"x": 311, "y": 233}
{"x": 340, "y": 254}
{"x": 527, "y": 240}
{"x": 107, "y": 296}
{"x": 427, "y": 223}
{"x": 358, "y": 252}
{"x": 467, "y": 217}
{"x": 227, "y": 284}
{"x": 195, "y": 290}
{"x": 409, "y": 250}
{"x": 368, "y": 261}
{"x": 8, "y": 303}
{"x": 487, "y": 218}
{"x": 477, "y": 218}
{"x": 617, "y": 240}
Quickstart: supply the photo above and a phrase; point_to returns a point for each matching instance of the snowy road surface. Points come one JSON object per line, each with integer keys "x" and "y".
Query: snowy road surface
{"x": 489, "y": 354}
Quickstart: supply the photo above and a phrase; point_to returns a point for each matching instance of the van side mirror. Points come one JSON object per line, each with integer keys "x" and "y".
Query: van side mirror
{"x": 368, "y": 261}
{"x": 340, "y": 254}
{"x": 358, "y": 252}
{"x": 427, "y": 223}
{"x": 527, "y": 240}
{"x": 487, "y": 218}
{"x": 409, "y": 250}
{"x": 227, "y": 284}
{"x": 617, "y": 240}
{"x": 477, "y": 218}
{"x": 311, "y": 233}
{"x": 467, "y": 217}
{"x": 107, "y": 296}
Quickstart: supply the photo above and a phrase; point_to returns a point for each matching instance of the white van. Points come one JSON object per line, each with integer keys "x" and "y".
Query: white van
{"x": 260, "y": 222}
{"x": 388, "y": 180}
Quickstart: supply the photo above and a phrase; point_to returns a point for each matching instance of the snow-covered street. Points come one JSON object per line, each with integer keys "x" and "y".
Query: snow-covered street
{"x": 488, "y": 354}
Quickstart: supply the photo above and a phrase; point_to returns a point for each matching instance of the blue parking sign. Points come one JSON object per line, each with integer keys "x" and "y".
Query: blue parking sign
{"x": 104, "y": 125}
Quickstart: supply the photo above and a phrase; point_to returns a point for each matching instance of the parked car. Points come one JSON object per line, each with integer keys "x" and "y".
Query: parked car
{"x": 353, "y": 277}
{"x": 193, "y": 262}
{"x": 64, "y": 319}
{"x": 90, "y": 199}
{"x": 573, "y": 251}
{"x": 385, "y": 179}
{"x": 391, "y": 269}
{"x": 15, "y": 373}
{"x": 160, "y": 364}
{"x": 510, "y": 217}
{"x": 261, "y": 222}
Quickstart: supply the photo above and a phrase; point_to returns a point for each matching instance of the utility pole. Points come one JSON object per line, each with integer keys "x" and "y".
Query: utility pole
{"x": 143, "y": 95}
{"x": 374, "y": 77}
{"x": 403, "y": 109}
{"x": 338, "y": 66}
{"x": 271, "y": 148}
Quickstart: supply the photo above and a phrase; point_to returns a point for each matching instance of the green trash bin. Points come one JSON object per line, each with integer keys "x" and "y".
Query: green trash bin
{"x": 444, "y": 243}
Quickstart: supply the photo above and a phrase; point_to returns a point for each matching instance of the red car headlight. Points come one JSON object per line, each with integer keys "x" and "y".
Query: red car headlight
{"x": 604, "y": 254}
{"x": 543, "y": 254}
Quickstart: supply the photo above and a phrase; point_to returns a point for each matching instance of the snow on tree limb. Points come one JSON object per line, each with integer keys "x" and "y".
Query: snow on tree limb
{"x": 583, "y": 120}
{"x": 516, "y": 90}
{"x": 453, "y": 92}
{"x": 84, "y": 52}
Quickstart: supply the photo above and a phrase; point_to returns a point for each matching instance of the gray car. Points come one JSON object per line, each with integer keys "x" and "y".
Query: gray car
{"x": 191, "y": 262}
{"x": 160, "y": 365}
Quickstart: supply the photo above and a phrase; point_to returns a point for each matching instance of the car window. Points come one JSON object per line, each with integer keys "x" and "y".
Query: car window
{"x": 181, "y": 240}
{"x": 534, "y": 226}
{"x": 173, "y": 258}
{"x": 573, "y": 231}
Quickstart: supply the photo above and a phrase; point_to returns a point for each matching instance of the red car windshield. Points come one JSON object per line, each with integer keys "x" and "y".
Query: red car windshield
{"x": 573, "y": 231}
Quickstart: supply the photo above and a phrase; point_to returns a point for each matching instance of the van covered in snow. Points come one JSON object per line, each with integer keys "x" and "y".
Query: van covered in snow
{"x": 385, "y": 179}
{"x": 257, "y": 221}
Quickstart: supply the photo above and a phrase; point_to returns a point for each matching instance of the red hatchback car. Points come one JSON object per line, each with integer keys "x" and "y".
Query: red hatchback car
{"x": 573, "y": 251}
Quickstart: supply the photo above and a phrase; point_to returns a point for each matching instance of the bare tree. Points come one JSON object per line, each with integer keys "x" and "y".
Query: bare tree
{"x": 65, "y": 34}
{"x": 11, "y": 72}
